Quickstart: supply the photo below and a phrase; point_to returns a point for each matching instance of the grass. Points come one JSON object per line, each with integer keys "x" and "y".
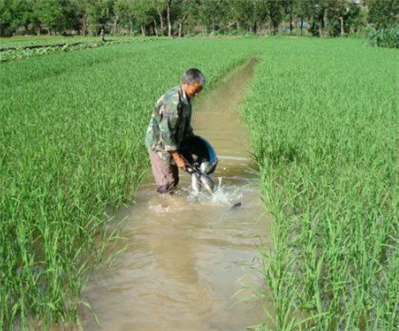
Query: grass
{"x": 71, "y": 145}
{"x": 20, "y": 41}
{"x": 324, "y": 119}
{"x": 323, "y": 116}
{"x": 37, "y": 40}
{"x": 16, "y": 49}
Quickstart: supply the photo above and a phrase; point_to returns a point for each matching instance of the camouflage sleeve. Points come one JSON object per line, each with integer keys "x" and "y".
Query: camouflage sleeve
{"x": 189, "y": 132}
{"x": 168, "y": 124}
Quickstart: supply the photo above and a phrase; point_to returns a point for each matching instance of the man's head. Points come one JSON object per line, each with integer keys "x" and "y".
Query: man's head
{"x": 193, "y": 81}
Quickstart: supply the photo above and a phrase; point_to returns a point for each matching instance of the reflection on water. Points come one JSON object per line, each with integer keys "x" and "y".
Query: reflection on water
{"x": 187, "y": 251}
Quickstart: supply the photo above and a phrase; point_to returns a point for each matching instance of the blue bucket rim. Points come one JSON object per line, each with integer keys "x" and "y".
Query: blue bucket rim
{"x": 212, "y": 153}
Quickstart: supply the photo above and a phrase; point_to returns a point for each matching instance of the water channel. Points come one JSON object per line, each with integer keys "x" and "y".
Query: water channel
{"x": 186, "y": 252}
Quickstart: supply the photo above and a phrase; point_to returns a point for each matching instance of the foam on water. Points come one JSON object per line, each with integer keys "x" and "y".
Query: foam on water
{"x": 223, "y": 195}
{"x": 186, "y": 198}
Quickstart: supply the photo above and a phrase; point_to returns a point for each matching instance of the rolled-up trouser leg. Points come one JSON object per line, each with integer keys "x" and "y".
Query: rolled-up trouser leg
{"x": 166, "y": 175}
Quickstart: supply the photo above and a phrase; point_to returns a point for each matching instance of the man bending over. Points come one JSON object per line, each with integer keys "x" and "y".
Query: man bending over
{"x": 170, "y": 123}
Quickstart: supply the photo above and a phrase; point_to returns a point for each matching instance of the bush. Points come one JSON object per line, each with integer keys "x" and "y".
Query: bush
{"x": 361, "y": 32}
{"x": 384, "y": 37}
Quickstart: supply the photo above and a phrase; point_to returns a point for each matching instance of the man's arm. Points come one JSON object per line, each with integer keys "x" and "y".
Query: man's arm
{"x": 168, "y": 129}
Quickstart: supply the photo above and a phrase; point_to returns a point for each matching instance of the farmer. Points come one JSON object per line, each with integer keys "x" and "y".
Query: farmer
{"x": 102, "y": 34}
{"x": 170, "y": 123}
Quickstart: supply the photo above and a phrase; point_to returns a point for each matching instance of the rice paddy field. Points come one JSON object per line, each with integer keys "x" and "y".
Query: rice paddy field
{"x": 22, "y": 41}
{"x": 323, "y": 117}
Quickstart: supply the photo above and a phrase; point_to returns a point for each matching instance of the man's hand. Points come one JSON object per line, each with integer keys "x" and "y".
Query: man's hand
{"x": 178, "y": 160}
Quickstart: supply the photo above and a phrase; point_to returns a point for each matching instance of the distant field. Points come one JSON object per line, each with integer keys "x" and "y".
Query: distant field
{"x": 38, "y": 40}
{"x": 323, "y": 115}
{"x": 17, "y": 48}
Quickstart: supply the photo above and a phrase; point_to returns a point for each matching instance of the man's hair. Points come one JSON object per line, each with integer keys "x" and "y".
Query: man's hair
{"x": 193, "y": 75}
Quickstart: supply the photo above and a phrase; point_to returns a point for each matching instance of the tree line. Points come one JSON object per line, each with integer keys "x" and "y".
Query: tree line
{"x": 186, "y": 17}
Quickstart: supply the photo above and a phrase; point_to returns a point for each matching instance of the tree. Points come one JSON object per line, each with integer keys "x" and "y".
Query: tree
{"x": 289, "y": 8}
{"x": 81, "y": 12}
{"x": 247, "y": 14}
{"x": 168, "y": 14}
{"x": 98, "y": 15}
{"x": 274, "y": 11}
{"x": 6, "y": 18}
{"x": 73, "y": 11}
{"x": 383, "y": 13}
{"x": 13, "y": 15}
{"x": 120, "y": 11}
{"x": 212, "y": 14}
{"x": 356, "y": 17}
{"x": 160, "y": 7}
{"x": 49, "y": 13}
{"x": 145, "y": 12}
{"x": 304, "y": 12}
{"x": 177, "y": 17}
{"x": 336, "y": 11}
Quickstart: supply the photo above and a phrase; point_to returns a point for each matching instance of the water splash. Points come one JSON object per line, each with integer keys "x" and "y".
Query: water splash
{"x": 224, "y": 195}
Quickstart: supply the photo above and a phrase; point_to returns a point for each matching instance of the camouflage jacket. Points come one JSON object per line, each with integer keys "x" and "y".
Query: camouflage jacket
{"x": 170, "y": 123}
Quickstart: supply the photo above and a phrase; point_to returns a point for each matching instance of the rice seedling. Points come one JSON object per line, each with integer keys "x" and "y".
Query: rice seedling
{"x": 324, "y": 117}
{"x": 71, "y": 145}
{"x": 14, "y": 53}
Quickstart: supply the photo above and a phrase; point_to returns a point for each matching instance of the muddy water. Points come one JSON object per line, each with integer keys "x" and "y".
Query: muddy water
{"x": 188, "y": 251}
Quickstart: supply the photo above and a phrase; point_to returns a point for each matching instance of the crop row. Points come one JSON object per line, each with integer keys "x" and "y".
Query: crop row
{"x": 323, "y": 115}
{"x": 71, "y": 145}
{"x": 27, "y": 51}
{"x": 324, "y": 118}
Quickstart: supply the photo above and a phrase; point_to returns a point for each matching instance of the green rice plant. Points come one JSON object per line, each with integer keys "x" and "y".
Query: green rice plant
{"x": 323, "y": 115}
{"x": 71, "y": 145}
{"x": 23, "y": 52}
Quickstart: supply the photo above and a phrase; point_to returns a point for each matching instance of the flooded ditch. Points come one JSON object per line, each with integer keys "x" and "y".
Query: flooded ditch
{"x": 186, "y": 253}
